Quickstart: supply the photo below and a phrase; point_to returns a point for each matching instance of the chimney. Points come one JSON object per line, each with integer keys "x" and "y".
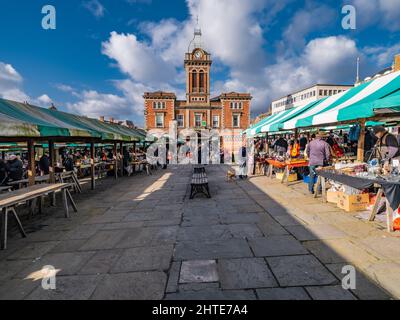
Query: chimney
{"x": 101, "y": 118}
{"x": 397, "y": 62}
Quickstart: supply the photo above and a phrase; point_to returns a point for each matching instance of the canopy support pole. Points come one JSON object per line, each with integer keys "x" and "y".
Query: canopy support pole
{"x": 296, "y": 134}
{"x": 115, "y": 161}
{"x": 361, "y": 142}
{"x": 31, "y": 162}
{"x": 52, "y": 161}
{"x": 92, "y": 168}
{"x": 121, "y": 148}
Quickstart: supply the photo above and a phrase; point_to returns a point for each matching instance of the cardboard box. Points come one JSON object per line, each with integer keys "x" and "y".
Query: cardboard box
{"x": 356, "y": 202}
{"x": 292, "y": 177}
{"x": 332, "y": 196}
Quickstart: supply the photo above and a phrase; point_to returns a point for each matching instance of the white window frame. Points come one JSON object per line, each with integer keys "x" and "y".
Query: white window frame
{"x": 238, "y": 117}
{"x": 162, "y": 115}
{"x": 215, "y": 117}
{"x": 183, "y": 120}
{"x": 201, "y": 119}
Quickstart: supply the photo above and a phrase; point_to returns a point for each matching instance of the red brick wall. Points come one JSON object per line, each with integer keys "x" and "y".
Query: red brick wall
{"x": 244, "y": 114}
{"x": 150, "y": 117}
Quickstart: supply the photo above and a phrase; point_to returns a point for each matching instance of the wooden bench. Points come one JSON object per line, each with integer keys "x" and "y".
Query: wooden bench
{"x": 199, "y": 183}
{"x": 70, "y": 177}
{"x": 10, "y": 200}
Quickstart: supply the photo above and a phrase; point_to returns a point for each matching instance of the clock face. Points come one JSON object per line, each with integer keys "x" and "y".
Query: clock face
{"x": 197, "y": 54}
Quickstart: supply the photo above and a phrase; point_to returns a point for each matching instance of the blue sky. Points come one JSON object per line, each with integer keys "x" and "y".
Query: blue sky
{"x": 105, "y": 53}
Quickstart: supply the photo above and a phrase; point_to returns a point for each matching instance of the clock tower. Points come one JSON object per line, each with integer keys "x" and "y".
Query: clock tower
{"x": 197, "y": 67}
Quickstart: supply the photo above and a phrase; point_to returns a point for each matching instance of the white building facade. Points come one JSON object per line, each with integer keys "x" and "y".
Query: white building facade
{"x": 306, "y": 96}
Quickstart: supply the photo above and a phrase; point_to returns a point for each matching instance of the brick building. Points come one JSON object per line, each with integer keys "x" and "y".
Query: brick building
{"x": 199, "y": 110}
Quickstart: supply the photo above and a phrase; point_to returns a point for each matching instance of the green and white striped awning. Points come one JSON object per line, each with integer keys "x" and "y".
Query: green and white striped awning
{"x": 276, "y": 124}
{"x": 24, "y": 120}
{"x": 356, "y": 103}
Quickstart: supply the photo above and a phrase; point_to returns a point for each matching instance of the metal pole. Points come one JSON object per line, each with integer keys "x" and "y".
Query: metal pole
{"x": 121, "y": 148}
{"x": 115, "y": 161}
{"x": 361, "y": 142}
{"x": 92, "y": 173}
{"x": 52, "y": 162}
{"x": 31, "y": 163}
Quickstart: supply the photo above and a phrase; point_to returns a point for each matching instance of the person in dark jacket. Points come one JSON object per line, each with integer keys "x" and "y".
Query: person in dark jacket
{"x": 69, "y": 163}
{"x": 3, "y": 172}
{"x": 44, "y": 164}
{"x": 15, "y": 168}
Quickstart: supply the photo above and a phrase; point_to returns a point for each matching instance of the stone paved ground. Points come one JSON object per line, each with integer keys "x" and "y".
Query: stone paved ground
{"x": 142, "y": 238}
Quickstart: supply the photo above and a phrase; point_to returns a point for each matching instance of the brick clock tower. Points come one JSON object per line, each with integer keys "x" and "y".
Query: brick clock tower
{"x": 228, "y": 111}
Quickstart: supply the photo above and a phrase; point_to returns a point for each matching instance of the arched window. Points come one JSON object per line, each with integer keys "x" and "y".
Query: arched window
{"x": 201, "y": 81}
{"x": 194, "y": 81}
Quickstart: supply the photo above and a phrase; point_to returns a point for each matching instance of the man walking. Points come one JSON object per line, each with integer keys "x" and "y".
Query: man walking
{"x": 318, "y": 153}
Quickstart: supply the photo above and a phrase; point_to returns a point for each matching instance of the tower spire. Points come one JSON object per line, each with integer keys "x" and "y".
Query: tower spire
{"x": 196, "y": 41}
{"x": 358, "y": 71}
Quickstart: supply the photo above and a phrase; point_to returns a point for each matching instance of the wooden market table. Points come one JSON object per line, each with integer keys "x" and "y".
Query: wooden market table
{"x": 392, "y": 191}
{"x": 10, "y": 200}
{"x": 286, "y": 165}
{"x": 24, "y": 182}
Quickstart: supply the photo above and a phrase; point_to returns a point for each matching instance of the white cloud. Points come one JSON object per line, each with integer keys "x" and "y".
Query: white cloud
{"x": 137, "y": 59}
{"x": 11, "y": 83}
{"x": 382, "y": 56}
{"x": 95, "y": 8}
{"x": 44, "y": 100}
{"x": 95, "y": 104}
{"x": 305, "y": 21}
{"x": 384, "y": 13}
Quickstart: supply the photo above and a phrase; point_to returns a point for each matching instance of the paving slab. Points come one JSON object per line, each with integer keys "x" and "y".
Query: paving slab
{"x": 173, "y": 277}
{"x": 200, "y": 233}
{"x": 276, "y": 246}
{"x": 198, "y": 271}
{"x": 16, "y": 289}
{"x": 245, "y": 230}
{"x": 212, "y": 294}
{"x": 101, "y": 262}
{"x": 68, "y": 263}
{"x": 103, "y": 240}
{"x": 195, "y": 250}
{"x": 245, "y": 274}
{"x": 291, "y": 293}
{"x": 131, "y": 286}
{"x": 79, "y": 287}
{"x": 366, "y": 288}
{"x": 149, "y": 236}
{"x": 316, "y": 232}
{"x": 303, "y": 270}
{"x": 330, "y": 293}
{"x": 143, "y": 259}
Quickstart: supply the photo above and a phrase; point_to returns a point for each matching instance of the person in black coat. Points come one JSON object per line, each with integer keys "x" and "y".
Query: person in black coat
{"x": 3, "y": 172}
{"x": 15, "y": 168}
{"x": 44, "y": 163}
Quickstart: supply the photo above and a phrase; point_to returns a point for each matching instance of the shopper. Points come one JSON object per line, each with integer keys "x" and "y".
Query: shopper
{"x": 44, "y": 164}
{"x": 3, "y": 172}
{"x": 281, "y": 145}
{"x": 15, "y": 168}
{"x": 303, "y": 142}
{"x": 387, "y": 146}
{"x": 318, "y": 153}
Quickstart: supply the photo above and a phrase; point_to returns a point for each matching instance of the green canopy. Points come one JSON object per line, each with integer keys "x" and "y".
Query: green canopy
{"x": 356, "y": 103}
{"x": 24, "y": 120}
